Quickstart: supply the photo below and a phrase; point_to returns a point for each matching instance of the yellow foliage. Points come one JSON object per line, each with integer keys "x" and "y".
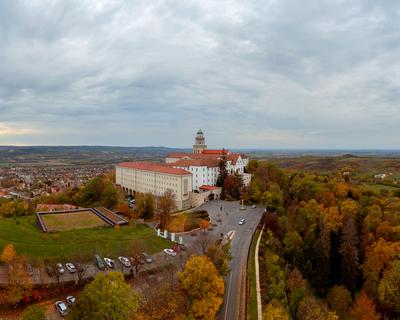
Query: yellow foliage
{"x": 8, "y": 253}
{"x": 204, "y": 287}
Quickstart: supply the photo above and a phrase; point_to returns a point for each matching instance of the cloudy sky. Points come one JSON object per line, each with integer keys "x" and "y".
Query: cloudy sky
{"x": 267, "y": 74}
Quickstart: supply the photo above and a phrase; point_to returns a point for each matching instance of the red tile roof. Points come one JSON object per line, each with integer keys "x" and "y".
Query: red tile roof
{"x": 154, "y": 167}
{"x": 196, "y": 163}
{"x": 205, "y": 187}
{"x": 215, "y": 151}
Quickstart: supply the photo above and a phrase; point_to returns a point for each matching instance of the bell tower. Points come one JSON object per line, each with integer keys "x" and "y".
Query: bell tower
{"x": 199, "y": 145}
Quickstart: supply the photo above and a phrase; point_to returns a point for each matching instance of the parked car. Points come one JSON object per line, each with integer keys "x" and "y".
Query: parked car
{"x": 109, "y": 262}
{"x": 124, "y": 261}
{"x": 254, "y": 206}
{"x": 70, "y": 300}
{"x": 242, "y": 221}
{"x": 62, "y": 308}
{"x": 60, "y": 268}
{"x": 70, "y": 267}
{"x": 170, "y": 252}
{"x": 29, "y": 269}
{"x": 50, "y": 271}
{"x": 147, "y": 257}
{"x": 99, "y": 262}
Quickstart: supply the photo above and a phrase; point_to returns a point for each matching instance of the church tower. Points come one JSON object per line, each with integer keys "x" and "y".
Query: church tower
{"x": 199, "y": 145}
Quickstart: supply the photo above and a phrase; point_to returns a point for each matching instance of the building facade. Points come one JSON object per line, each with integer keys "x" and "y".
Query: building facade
{"x": 200, "y": 144}
{"x": 156, "y": 179}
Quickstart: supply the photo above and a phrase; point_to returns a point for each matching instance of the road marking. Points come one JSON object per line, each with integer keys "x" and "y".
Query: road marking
{"x": 227, "y": 297}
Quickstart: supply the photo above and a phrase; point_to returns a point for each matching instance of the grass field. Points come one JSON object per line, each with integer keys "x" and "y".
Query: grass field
{"x": 378, "y": 187}
{"x": 72, "y": 221}
{"x": 81, "y": 244}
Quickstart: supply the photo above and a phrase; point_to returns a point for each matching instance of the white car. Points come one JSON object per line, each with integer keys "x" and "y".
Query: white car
{"x": 170, "y": 252}
{"x": 70, "y": 267}
{"x": 70, "y": 300}
{"x": 125, "y": 261}
{"x": 253, "y": 206}
{"x": 60, "y": 268}
{"x": 109, "y": 262}
{"x": 242, "y": 221}
{"x": 62, "y": 308}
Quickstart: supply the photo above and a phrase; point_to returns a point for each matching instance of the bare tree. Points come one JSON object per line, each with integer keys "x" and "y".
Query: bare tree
{"x": 165, "y": 206}
{"x": 135, "y": 252}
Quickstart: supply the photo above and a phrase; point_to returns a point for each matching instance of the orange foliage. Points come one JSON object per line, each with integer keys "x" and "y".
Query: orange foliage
{"x": 364, "y": 308}
{"x": 8, "y": 253}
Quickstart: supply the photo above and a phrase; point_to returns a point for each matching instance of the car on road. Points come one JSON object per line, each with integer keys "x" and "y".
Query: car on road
{"x": 254, "y": 206}
{"x": 50, "y": 271}
{"x": 60, "y": 268}
{"x": 109, "y": 262}
{"x": 147, "y": 257}
{"x": 242, "y": 221}
{"x": 125, "y": 261}
{"x": 70, "y": 300}
{"x": 29, "y": 269}
{"x": 99, "y": 262}
{"x": 62, "y": 308}
{"x": 170, "y": 252}
{"x": 70, "y": 267}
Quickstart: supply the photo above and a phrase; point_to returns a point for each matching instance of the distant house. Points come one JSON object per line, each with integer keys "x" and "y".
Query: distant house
{"x": 381, "y": 176}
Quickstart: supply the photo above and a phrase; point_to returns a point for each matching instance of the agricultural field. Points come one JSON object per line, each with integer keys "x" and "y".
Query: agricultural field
{"x": 28, "y": 239}
{"x": 72, "y": 221}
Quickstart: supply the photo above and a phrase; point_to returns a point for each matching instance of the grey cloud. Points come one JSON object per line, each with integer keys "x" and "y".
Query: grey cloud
{"x": 251, "y": 74}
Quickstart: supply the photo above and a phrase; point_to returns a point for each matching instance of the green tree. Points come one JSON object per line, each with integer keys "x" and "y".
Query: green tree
{"x": 109, "y": 195}
{"x": 273, "y": 198}
{"x": 275, "y": 311}
{"x": 389, "y": 288}
{"x": 34, "y": 312}
{"x": 108, "y": 297}
{"x": 203, "y": 287}
{"x": 165, "y": 206}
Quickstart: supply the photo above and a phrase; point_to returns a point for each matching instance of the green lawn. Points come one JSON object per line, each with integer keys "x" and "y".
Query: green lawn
{"x": 72, "y": 221}
{"x": 251, "y": 275}
{"x": 82, "y": 244}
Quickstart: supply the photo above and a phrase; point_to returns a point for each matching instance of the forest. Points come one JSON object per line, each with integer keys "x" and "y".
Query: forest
{"x": 330, "y": 247}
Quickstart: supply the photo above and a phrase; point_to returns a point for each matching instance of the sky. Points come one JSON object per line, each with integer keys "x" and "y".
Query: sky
{"x": 251, "y": 74}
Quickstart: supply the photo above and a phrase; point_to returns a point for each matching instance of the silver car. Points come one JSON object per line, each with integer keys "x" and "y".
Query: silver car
{"x": 62, "y": 308}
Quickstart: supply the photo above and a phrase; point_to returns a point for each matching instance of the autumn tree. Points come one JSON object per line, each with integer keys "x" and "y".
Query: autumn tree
{"x": 364, "y": 308}
{"x": 145, "y": 205}
{"x": 312, "y": 309}
{"x": 19, "y": 282}
{"x": 34, "y": 312}
{"x": 273, "y": 198}
{"x": 275, "y": 311}
{"x": 165, "y": 206}
{"x": 8, "y": 253}
{"x": 107, "y": 297}
{"x": 339, "y": 300}
{"x": 220, "y": 256}
{"x": 203, "y": 287}
{"x": 135, "y": 250}
{"x": 389, "y": 288}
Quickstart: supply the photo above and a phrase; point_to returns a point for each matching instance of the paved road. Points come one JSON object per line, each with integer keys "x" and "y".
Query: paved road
{"x": 234, "y": 306}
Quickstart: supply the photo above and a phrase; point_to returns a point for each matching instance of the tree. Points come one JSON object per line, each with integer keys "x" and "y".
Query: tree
{"x": 19, "y": 282}
{"x": 363, "y": 308}
{"x": 34, "y": 312}
{"x": 107, "y": 297}
{"x": 203, "y": 287}
{"x": 389, "y": 288}
{"x": 135, "y": 250}
{"x": 350, "y": 253}
{"x": 275, "y": 311}
{"x": 312, "y": 309}
{"x": 273, "y": 198}
{"x": 8, "y": 254}
{"x": 220, "y": 256}
{"x": 145, "y": 205}
{"x": 339, "y": 300}
{"x": 166, "y": 205}
{"x": 109, "y": 196}
{"x": 204, "y": 225}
